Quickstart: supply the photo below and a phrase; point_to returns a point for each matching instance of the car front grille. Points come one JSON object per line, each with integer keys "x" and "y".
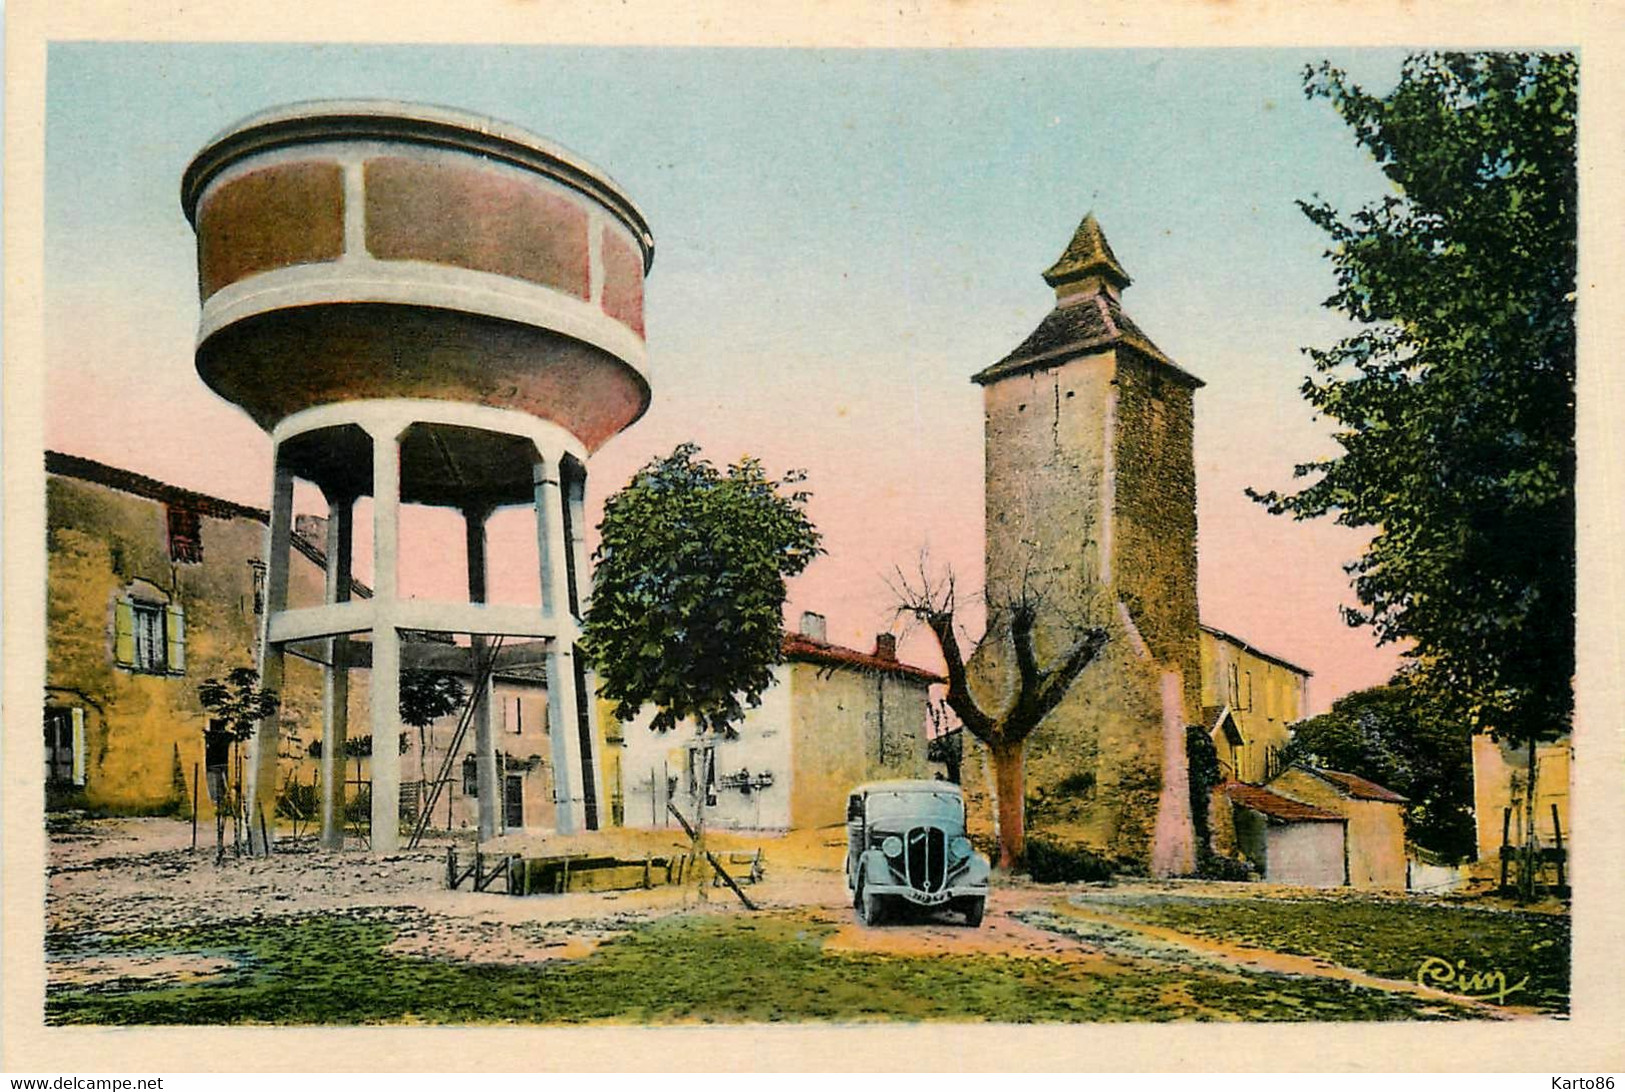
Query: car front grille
{"x": 925, "y": 858}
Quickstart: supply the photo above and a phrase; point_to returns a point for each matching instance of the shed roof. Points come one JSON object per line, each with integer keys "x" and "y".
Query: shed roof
{"x": 1277, "y": 807}
{"x": 1359, "y": 788}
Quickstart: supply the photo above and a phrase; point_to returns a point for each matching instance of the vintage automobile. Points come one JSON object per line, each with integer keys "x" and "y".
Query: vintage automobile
{"x": 906, "y": 846}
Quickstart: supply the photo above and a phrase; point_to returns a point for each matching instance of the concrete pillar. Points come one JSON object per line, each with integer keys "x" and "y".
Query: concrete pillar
{"x": 336, "y": 676}
{"x": 575, "y": 497}
{"x": 262, "y": 760}
{"x": 568, "y": 800}
{"x": 490, "y": 788}
{"x": 386, "y": 642}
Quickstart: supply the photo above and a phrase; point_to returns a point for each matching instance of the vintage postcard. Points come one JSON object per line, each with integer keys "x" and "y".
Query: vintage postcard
{"x": 930, "y": 532}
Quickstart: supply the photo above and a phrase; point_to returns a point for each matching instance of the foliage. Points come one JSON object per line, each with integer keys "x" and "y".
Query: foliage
{"x": 688, "y": 594}
{"x": 1456, "y": 400}
{"x": 297, "y": 801}
{"x": 1205, "y": 775}
{"x": 1400, "y": 737}
{"x": 236, "y": 704}
{"x": 947, "y": 748}
{"x": 357, "y": 747}
{"x": 426, "y": 696}
{"x": 1049, "y": 861}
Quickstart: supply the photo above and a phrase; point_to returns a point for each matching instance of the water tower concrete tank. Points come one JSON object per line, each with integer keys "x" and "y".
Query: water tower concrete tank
{"x": 421, "y": 306}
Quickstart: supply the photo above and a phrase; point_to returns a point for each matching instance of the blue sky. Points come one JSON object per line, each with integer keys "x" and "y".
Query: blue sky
{"x": 842, "y": 238}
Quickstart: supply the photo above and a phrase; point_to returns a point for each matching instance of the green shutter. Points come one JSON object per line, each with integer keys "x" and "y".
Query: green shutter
{"x": 78, "y": 746}
{"x": 175, "y": 634}
{"x": 124, "y": 633}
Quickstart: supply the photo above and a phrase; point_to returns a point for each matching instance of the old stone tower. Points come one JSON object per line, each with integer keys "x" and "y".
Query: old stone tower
{"x": 1091, "y": 507}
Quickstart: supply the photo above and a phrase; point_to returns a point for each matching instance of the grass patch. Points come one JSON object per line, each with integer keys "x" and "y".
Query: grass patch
{"x": 1387, "y": 938}
{"x": 692, "y": 969}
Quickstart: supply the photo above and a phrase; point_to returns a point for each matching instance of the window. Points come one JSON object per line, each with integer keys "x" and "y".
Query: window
{"x": 515, "y": 719}
{"x": 64, "y": 746}
{"x": 1247, "y": 691}
{"x": 257, "y": 573}
{"x": 149, "y": 633}
{"x": 185, "y": 535}
{"x": 471, "y": 776}
{"x": 1235, "y": 688}
{"x": 149, "y": 638}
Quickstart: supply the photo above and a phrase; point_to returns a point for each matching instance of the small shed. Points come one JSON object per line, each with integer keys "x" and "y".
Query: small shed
{"x": 1376, "y": 820}
{"x": 1290, "y": 842}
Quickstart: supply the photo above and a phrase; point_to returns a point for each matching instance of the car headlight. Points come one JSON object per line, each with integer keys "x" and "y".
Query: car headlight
{"x": 892, "y": 846}
{"x": 960, "y": 847}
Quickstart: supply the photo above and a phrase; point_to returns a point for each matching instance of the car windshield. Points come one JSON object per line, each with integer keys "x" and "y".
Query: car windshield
{"x": 914, "y": 807}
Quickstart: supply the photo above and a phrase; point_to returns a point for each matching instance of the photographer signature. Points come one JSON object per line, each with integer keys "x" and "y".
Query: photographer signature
{"x": 1456, "y": 978}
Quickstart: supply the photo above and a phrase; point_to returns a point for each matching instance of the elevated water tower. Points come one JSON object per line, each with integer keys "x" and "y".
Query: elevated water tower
{"x": 422, "y": 307}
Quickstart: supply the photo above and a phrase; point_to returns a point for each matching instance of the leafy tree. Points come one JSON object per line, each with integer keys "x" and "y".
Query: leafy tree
{"x": 1039, "y": 687}
{"x": 236, "y": 705}
{"x": 426, "y": 696}
{"x": 1455, "y": 398}
{"x": 1401, "y": 737}
{"x": 688, "y": 594}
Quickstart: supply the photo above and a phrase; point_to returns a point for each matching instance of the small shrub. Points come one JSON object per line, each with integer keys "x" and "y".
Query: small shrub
{"x": 1078, "y": 784}
{"x": 297, "y": 801}
{"x": 1053, "y": 862}
{"x": 1216, "y": 867}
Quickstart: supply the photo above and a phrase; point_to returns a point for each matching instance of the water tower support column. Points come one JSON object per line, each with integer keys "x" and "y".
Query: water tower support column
{"x": 484, "y": 744}
{"x": 336, "y": 675}
{"x": 262, "y": 756}
{"x": 569, "y": 813}
{"x": 386, "y": 639}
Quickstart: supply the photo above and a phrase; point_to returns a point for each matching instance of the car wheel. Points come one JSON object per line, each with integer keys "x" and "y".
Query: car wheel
{"x": 973, "y": 911}
{"x": 871, "y": 908}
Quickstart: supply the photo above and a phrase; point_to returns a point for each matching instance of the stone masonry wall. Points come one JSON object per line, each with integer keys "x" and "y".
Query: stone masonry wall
{"x": 1060, "y": 443}
{"x": 144, "y": 732}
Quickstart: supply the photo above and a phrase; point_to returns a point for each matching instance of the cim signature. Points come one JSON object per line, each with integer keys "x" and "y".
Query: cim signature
{"x": 1456, "y": 978}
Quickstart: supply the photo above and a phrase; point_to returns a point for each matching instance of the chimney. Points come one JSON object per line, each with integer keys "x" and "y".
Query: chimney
{"x": 812, "y": 625}
{"x": 313, "y": 529}
{"x": 886, "y": 646}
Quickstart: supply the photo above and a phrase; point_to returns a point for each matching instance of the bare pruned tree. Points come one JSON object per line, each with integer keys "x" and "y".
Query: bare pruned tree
{"x": 1039, "y": 687}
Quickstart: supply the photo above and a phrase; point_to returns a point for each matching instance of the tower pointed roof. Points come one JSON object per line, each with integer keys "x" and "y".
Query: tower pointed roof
{"x": 1087, "y": 254}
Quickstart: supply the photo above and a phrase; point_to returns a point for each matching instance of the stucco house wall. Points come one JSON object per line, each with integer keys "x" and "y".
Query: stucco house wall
{"x": 1376, "y": 828}
{"x": 1306, "y": 854}
{"x": 848, "y": 727}
{"x": 1500, "y": 772}
{"x": 1265, "y": 695}
{"x": 833, "y": 718}
{"x": 107, "y": 537}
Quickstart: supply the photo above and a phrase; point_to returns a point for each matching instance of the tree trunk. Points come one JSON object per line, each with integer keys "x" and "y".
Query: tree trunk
{"x": 1531, "y": 852}
{"x": 1009, "y": 776}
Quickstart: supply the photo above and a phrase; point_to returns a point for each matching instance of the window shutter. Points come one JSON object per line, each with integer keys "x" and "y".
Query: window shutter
{"x": 78, "y": 746}
{"x": 175, "y": 632}
{"x": 124, "y": 633}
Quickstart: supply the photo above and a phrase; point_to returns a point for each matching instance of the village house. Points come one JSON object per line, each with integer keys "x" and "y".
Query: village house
{"x": 834, "y": 717}
{"x": 153, "y": 588}
{"x": 1500, "y": 785}
{"x": 1286, "y": 840}
{"x": 1250, "y": 699}
{"x": 1374, "y": 818}
{"x": 150, "y": 590}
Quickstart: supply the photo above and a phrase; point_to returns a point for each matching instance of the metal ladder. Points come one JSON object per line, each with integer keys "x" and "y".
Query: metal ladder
{"x": 482, "y": 680}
